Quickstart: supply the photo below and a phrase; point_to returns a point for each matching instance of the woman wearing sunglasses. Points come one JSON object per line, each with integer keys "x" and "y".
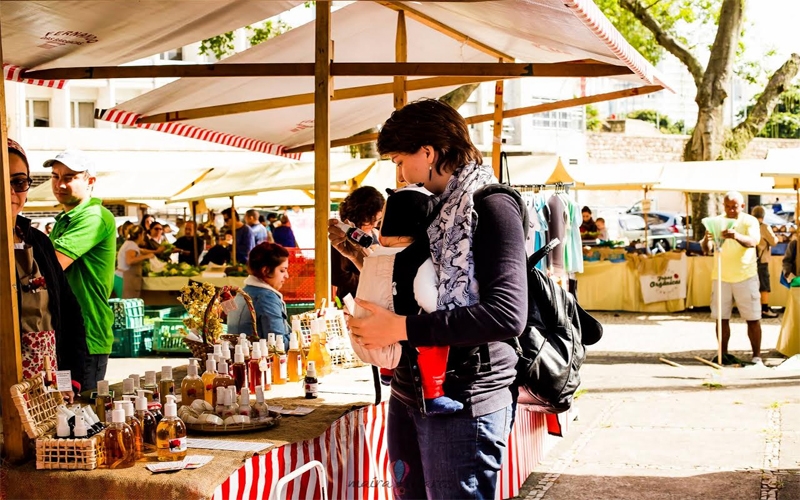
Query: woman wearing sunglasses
{"x": 51, "y": 325}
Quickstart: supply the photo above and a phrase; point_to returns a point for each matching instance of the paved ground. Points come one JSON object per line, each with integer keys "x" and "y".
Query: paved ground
{"x": 648, "y": 431}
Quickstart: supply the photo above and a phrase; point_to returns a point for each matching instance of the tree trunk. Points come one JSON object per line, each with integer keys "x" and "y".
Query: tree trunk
{"x": 704, "y": 145}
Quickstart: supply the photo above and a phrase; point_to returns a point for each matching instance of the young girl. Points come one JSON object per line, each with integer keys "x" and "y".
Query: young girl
{"x": 399, "y": 275}
{"x": 268, "y": 265}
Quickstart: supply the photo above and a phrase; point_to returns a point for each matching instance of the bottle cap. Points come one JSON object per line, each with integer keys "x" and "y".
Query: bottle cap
{"x": 223, "y": 367}
{"x": 92, "y": 417}
{"x": 62, "y": 427}
{"x": 141, "y": 400}
{"x": 118, "y": 416}
{"x": 80, "y": 427}
{"x": 191, "y": 370}
{"x": 271, "y": 339}
{"x": 259, "y": 394}
{"x": 218, "y": 352}
{"x": 136, "y": 381}
{"x": 211, "y": 364}
{"x": 244, "y": 397}
{"x": 226, "y": 349}
{"x": 66, "y": 411}
{"x": 127, "y": 386}
{"x": 280, "y": 347}
{"x": 150, "y": 378}
{"x": 296, "y": 325}
{"x": 256, "y": 352}
{"x": 170, "y": 409}
{"x": 293, "y": 343}
{"x": 102, "y": 388}
{"x": 311, "y": 372}
{"x": 128, "y": 405}
{"x": 166, "y": 373}
{"x": 238, "y": 357}
{"x": 264, "y": 346}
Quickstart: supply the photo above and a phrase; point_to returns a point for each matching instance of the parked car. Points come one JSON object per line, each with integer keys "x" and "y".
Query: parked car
{"x": 666, "y": 228}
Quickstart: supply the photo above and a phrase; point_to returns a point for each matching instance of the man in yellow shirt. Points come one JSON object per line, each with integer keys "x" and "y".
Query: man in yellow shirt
{"x": 739, "y": 276}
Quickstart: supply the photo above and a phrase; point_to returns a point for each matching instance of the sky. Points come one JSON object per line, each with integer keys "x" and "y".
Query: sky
{"x": 775, "y": 25}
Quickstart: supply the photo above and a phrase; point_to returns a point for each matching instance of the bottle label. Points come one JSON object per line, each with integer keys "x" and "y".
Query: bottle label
{"x": 177, "y": 445}
{"x": 311, "y": 388}
{"x": 268, "y": 374}
{"x": 282, "y": 367}
{"x": 299, "y": 365}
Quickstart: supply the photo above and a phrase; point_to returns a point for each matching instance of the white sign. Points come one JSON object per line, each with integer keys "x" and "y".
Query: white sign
{"x": 668, "y": 286}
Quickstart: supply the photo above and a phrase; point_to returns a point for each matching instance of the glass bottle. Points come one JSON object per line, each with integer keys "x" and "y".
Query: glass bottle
{"x": 102, "y": 402}
{"x": 255, "y": 375}
{"x": 171, "y": 434}
{"x": 208, "y": 379}
{"x": 192, "y": 386}
{"x": 120, "y": 453}
{"x": 244, "y": 403}
{"x": 136, "y": 427}
{"x": 239, "y": 369}
{"x": 151, "y": 386}
{"x": 279, "y": 363}
{"x": 294, "y": 360}
{"x": 315, "y": 352}
{"x": 311, "y": 382}
{"x": 327, "y": 364}
{"x": 222, "y": 379}
{"x": 149, "y": 423}
{"x": 167, "y": 385}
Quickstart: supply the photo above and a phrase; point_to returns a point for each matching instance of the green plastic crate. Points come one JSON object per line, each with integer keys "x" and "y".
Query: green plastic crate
{"x": 128, "y": 313}
{"x": 299, "y": 308}
{"x": 130, "y": 342}
{"x": 167, "y": 336}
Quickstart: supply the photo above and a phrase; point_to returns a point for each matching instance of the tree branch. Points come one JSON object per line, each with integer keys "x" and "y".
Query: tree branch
{"x": 666, "y": 40}
{"x": 759, "y": 115}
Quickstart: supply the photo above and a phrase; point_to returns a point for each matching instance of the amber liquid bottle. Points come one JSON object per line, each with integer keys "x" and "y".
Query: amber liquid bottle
{"x": 239, "y": 370}
{"x": 279, "y": 374}
{"x": 192, "y": 386}
{"x": 222, "y": 380}
{"x": 171, "y": 434}
{"x": 315, "y": 354}
{"x": 255, "y": 375}
{"x": 120, "y": 453}
{"x": 136, "y": 426}
{"x": 166, "y": 387}
{"x": 208, "y": 379}
{"x": 294, "y": 360}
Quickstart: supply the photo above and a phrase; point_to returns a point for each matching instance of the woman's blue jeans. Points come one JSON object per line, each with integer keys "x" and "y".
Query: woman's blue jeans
{"x": 446, "y": 456}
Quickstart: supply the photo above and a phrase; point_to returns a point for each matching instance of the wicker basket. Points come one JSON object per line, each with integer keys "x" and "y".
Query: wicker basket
{"x": 201, "y": 348}
{"x": 38, "y": 412}
{"x": 336, "y": 336}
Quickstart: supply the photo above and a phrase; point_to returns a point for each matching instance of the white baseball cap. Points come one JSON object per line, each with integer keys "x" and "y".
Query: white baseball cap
{"x": 75, "y": 160}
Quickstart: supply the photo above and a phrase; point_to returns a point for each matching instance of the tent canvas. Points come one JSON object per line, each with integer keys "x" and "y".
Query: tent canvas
{"x": 716, "y": 177}
{"x": 784, "y": 168}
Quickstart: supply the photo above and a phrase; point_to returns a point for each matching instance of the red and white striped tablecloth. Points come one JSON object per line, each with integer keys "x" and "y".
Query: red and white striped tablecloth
{"x": 353, "y": 450}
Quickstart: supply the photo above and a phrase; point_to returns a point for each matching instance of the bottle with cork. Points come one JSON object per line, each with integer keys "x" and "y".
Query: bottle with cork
{"x": 102, "y": 402}
{"x": 151, "y": 387}
{"x": 166, "y": 387}
{"x": 279, "y": 368}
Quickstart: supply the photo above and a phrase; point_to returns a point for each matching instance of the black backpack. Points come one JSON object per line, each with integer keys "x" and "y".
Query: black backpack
{"x": 551, "y": 348}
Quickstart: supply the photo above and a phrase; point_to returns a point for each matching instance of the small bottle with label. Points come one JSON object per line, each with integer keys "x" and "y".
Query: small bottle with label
{"x": 167, "y": 385}
{"x": 260, "y": 410}
{"x": 151, "y": 386}
{"x": 315, "y": 351}
{"x": 120, "y": 447}
{"x": 311, "y": 383}
{"x": 171, "y": 434}
{"x": 244, "y": 403}
{"x": 228, "y": 408}
{"x": 294, "y": 360}
{"x": 239, "y": 369}
{"x": 279, "y": 369}
{"x": 103, "y": 401}
{"x": 192, "y": 386}
{"x": 136, "y": 427}
{"x": 208, "y": 379}
{"x": 233, "y": 400}
{"x": 222, "y": 379}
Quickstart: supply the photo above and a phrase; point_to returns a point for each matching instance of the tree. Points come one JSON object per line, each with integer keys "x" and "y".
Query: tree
{"x": 593, "y": 121}
{"x": 784, "y": 123}
{"x": 663, "y": 122}
{"x": 221, "y": 46}
{"x": 663, "y": 21}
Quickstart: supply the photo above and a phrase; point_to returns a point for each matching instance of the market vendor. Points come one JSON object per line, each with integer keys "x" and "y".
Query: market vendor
{"x": 49, "y": 315}
{"x": 128, "y": 276}
{"x": 156, "y": 242}
{"x": 186, "y": 245}
{"x": 588, "y": 226}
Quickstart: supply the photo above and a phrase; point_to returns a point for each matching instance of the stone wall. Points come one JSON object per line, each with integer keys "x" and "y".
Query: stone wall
{"x": 613, "y": 148}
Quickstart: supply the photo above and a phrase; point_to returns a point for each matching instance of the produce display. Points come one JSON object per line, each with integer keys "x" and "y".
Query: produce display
{"x": 172, "y": 269}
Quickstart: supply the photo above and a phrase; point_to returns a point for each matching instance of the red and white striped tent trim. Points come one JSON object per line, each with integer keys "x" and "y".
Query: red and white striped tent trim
{"x": 14, "y": 74}
{"x": 191, "y": 131}
{"x": 354, "y": 453}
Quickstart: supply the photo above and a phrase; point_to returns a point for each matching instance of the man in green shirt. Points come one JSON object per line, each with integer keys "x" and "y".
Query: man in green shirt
{"x": 84, "y": 237}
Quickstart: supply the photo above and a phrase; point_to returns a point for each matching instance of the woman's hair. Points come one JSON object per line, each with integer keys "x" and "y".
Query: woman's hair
{"x": 758, "y": 212}
{"x": 134, "y": 232}
{"x": 362, "y": 205}
{"x": 269, "y": 255}
{"x": 144, "y": 220}
{"x": 428, "y": 122}
{"x": 15, "y": 148}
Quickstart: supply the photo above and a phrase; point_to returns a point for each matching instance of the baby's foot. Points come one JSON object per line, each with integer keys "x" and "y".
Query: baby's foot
{"x": 442, "y": 405}
{"x": 386, "y": 376}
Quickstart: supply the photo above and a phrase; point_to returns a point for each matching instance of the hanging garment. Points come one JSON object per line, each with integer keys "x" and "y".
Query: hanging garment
{"x": 573, "y": 249}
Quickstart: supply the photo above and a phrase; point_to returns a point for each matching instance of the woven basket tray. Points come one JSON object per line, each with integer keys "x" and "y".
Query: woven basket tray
{"x": 235, "y": 428}
{"x": 37, "y": 410}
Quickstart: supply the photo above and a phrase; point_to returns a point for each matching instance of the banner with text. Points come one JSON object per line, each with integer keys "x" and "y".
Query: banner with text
{"x": 671, "y": 285}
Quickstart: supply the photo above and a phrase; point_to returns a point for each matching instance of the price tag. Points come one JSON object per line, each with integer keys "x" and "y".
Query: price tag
{"x": 64, "y": 380}
{"x": 228, "y": 306}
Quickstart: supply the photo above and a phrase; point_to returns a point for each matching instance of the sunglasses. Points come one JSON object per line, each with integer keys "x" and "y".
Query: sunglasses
{"x": 156, "y": 228}
{"x": 21, "y": 184}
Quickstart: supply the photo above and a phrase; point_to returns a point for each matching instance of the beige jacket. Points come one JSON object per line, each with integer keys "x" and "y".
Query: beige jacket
{"x": 768, "y": 240}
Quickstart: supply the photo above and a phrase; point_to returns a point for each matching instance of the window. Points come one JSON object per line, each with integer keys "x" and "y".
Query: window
{"x": 82, "y": 114}
{"x": 172, "y": 55}
{"x": 37, "y": 112}
{"x": 571, "y": 119}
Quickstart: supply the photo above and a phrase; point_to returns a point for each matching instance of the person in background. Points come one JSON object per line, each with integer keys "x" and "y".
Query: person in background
{"x": 283, "y": 234}
{"x": 588, "y": 225}
{"x": 169, "y": 235}
{"x": 263, "y": 221}
{"x": 602, "y": 232}
{"x": 791, "y": 263}
{"x": 777, "y": 207}
{"x": 363, "y": 209}
{"x": 259, "y": 231}
{"x": 122, "y": 231}
{"x": 128, "y": 276}
{"x": 85, "y": 244}
{"x": 244, "y": 235}
{"x": 155, "y": 241}
{"x": 480, "y": 263}
{"x": 739, "y": 276}
{"x": 185, "y": 244}
{"x": 180, "y": 223}
{"x": 49, "y": 315}
{"x": 763, "y": 253}
{"x": 147, "y": 221}
{"x": 219, "y": 254}
{"x": 48, "y": 228}
{"x": 268, "y": 268}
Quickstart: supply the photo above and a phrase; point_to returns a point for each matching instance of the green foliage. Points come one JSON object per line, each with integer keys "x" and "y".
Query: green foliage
{"x": 784, "y": 123}
{"x": 221, "y": 46}
{"x": 663, "y": 122}
{"x": 593, "y": 121}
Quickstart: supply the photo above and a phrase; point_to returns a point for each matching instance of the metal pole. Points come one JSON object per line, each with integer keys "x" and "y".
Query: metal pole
{"x": 194, "y": 239}
{"x": 233, "y": 230}
{"x": 719, "y": 305}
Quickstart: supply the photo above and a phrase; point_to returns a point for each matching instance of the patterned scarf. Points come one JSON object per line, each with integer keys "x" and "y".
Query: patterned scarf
{"x": 451, "y": 234}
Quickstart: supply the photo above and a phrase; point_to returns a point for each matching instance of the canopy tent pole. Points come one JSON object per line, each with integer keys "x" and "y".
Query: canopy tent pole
{"x": 797, "y": 200}
{"x": 10, "y": 348}
{"x": 400, "y": 55}
{"x": 497, "y": 131}
{"x": 194, "y": 239}
{"x": 323, "y": 86}
{"x": 233, "y": 229}
{"x": 645, "y": 210}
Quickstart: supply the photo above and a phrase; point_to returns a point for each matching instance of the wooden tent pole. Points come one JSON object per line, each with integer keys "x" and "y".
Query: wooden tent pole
{"x": 497, "y": 131}
{"x": 10, "y": 349}
{"x": 233, "y": 229}
{"x": 194, "y": 239}
{"x": 401, "y": 56}
{"x": 323, "y": 86}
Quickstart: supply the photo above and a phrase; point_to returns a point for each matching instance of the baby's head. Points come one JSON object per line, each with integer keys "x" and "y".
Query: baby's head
{"x": 406, "y": 216}
{"x": 601, "y": 223}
